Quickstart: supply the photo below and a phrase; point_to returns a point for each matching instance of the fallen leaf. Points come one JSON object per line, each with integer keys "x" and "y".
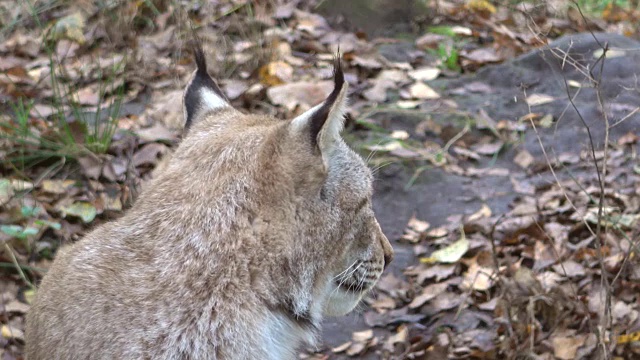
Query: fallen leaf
{"x": 524, "y": 159}
{"x": 427, "y": 294}
{"x": 16, "y": 306}
{"x": 478, "y": 278}
{"x": 437, "y": 272}
{"x": 378, "y": 92}
{"x": 366, "y": 62}
{"x": 6, "y": 191}
{"x": 546, "y": 121}
{"x": 481, "y": 6}
{"x": 356, "y": 348}
{"x": 420, "y": 90}
{"x": 70, "y": 27}
{"x": 488, "y": 149}
{"x": 424, "y": 74}
{"x": 149, "y": 154}
{"x": 482, "y": 56}
{"x": 539, "y": 99}
{"x": 611, "y": 53}
{"x": 461, "y": 30}
{"x": 360, "y": 336}
{"x": 399, "y": 337}
{"x": 87, "y": 96}
{"x": 57, "y": 186}
{"x": 449, "y": 254}
{"x": 156, "y": 132}
{"x": 565, "y": 348}
{"x": 84, "y": 210}
{"x": 91, "y": 166}
{"x": 544, "y": 255}
{"x": 21, "y": 185}
{"x": 621, "y": 310}
{"x": 384, "y": 303}
{"x": 431, "y": 41}
{"x": 275, "y": 73}
{"x": 570, "y": 268}
{"x": 628, "y": 138}
{"x": 418, "y": 225}
{"x": 29, "y": 295}
{"x": 234, "y": 88}
{"x": 390, "y": 146}
{"x": 484, "y": 212}
{"x": 437, "y": 232}
{"x": 574, "y": 83}
{"x": 399, "y": 135}
{"x": 342, "y": 348}
{"x": 306, "y": 94}
{"x": 408, "y": 104}
{"x": 11, "y": 332}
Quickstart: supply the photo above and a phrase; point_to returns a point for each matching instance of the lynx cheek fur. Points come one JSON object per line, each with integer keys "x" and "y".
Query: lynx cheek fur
{"x": 256, "y": 229}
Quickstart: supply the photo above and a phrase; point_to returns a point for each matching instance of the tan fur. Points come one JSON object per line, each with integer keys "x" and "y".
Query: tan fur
{"x": 235, "y": 251}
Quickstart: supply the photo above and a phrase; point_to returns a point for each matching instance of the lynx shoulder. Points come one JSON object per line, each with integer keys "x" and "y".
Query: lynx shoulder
{"x": 255, "y": 230}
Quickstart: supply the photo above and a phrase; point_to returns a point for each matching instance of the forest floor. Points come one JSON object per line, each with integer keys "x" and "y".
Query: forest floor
{"x": 504, "y": 138}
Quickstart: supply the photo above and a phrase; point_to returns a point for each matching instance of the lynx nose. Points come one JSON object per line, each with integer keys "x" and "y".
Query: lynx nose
{"x": 387, "y": 250}
{"x": 387, "y": 259}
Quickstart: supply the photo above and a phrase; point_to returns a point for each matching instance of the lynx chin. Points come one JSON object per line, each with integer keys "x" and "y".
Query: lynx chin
{"x": 255, "y": 230}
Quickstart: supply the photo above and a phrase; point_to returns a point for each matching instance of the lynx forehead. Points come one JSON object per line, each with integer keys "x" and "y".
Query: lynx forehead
{"x": 256, "y": 229}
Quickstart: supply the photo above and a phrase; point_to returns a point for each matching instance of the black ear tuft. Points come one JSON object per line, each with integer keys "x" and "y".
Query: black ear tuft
{"x": 320, "y": 116}
{"x": 202, "y": 93}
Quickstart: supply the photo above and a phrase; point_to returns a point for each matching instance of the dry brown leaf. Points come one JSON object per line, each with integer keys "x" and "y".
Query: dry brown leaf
{"x": 478, "y": 278}
{"x": 11, "y": 332}
{"x": 431, "y": 41}
{"x": 418, "y": 225}
{"x": 438, "y": 232}
{"x": 57, "y": 186}
{"x": 398, "y": 338}
{"x": 384, "y": 303}
{"x": 482, "y": 56}
{"x": 149, "y": 154}
{"x": 275, "y": 73}
{"x": 539, "y": 99}
{"x": 341, "y": 348}
{"x": 424, "y": 74}
{"x": 422, "y": 91}
{"x": 156, "y": 132}
{"x": 484, "y": 212}
{"x": 362, "y": 336}
{"x": 570, "y": 268}
{"x": 524, "y": 159}
{"x": 378, "y": 92}
{"x": 544, "y": 255}
{"x": 427, "y": 294}
{"x": 565, "y": 347}
{"x": 305, "y": 94}
{"x": 437, "y": 272}
{"x": 16, "y": 306}
{"x": 488, "y": 149}
{"x": 91, "y": 166}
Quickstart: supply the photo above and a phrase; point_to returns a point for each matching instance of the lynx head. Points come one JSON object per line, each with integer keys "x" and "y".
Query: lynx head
{"x": 288, "y": 197}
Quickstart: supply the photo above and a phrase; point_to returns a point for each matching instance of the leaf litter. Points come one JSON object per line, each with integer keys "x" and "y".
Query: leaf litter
{"x": 488, "y": 284}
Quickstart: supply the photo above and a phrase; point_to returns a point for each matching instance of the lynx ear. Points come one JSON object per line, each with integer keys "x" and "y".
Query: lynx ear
{"x": 324, "y": 122}
{"x": 202, "y": 94}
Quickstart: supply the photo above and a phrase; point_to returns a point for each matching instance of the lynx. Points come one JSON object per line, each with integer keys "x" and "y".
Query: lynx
{"x": 255, "y": 230}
